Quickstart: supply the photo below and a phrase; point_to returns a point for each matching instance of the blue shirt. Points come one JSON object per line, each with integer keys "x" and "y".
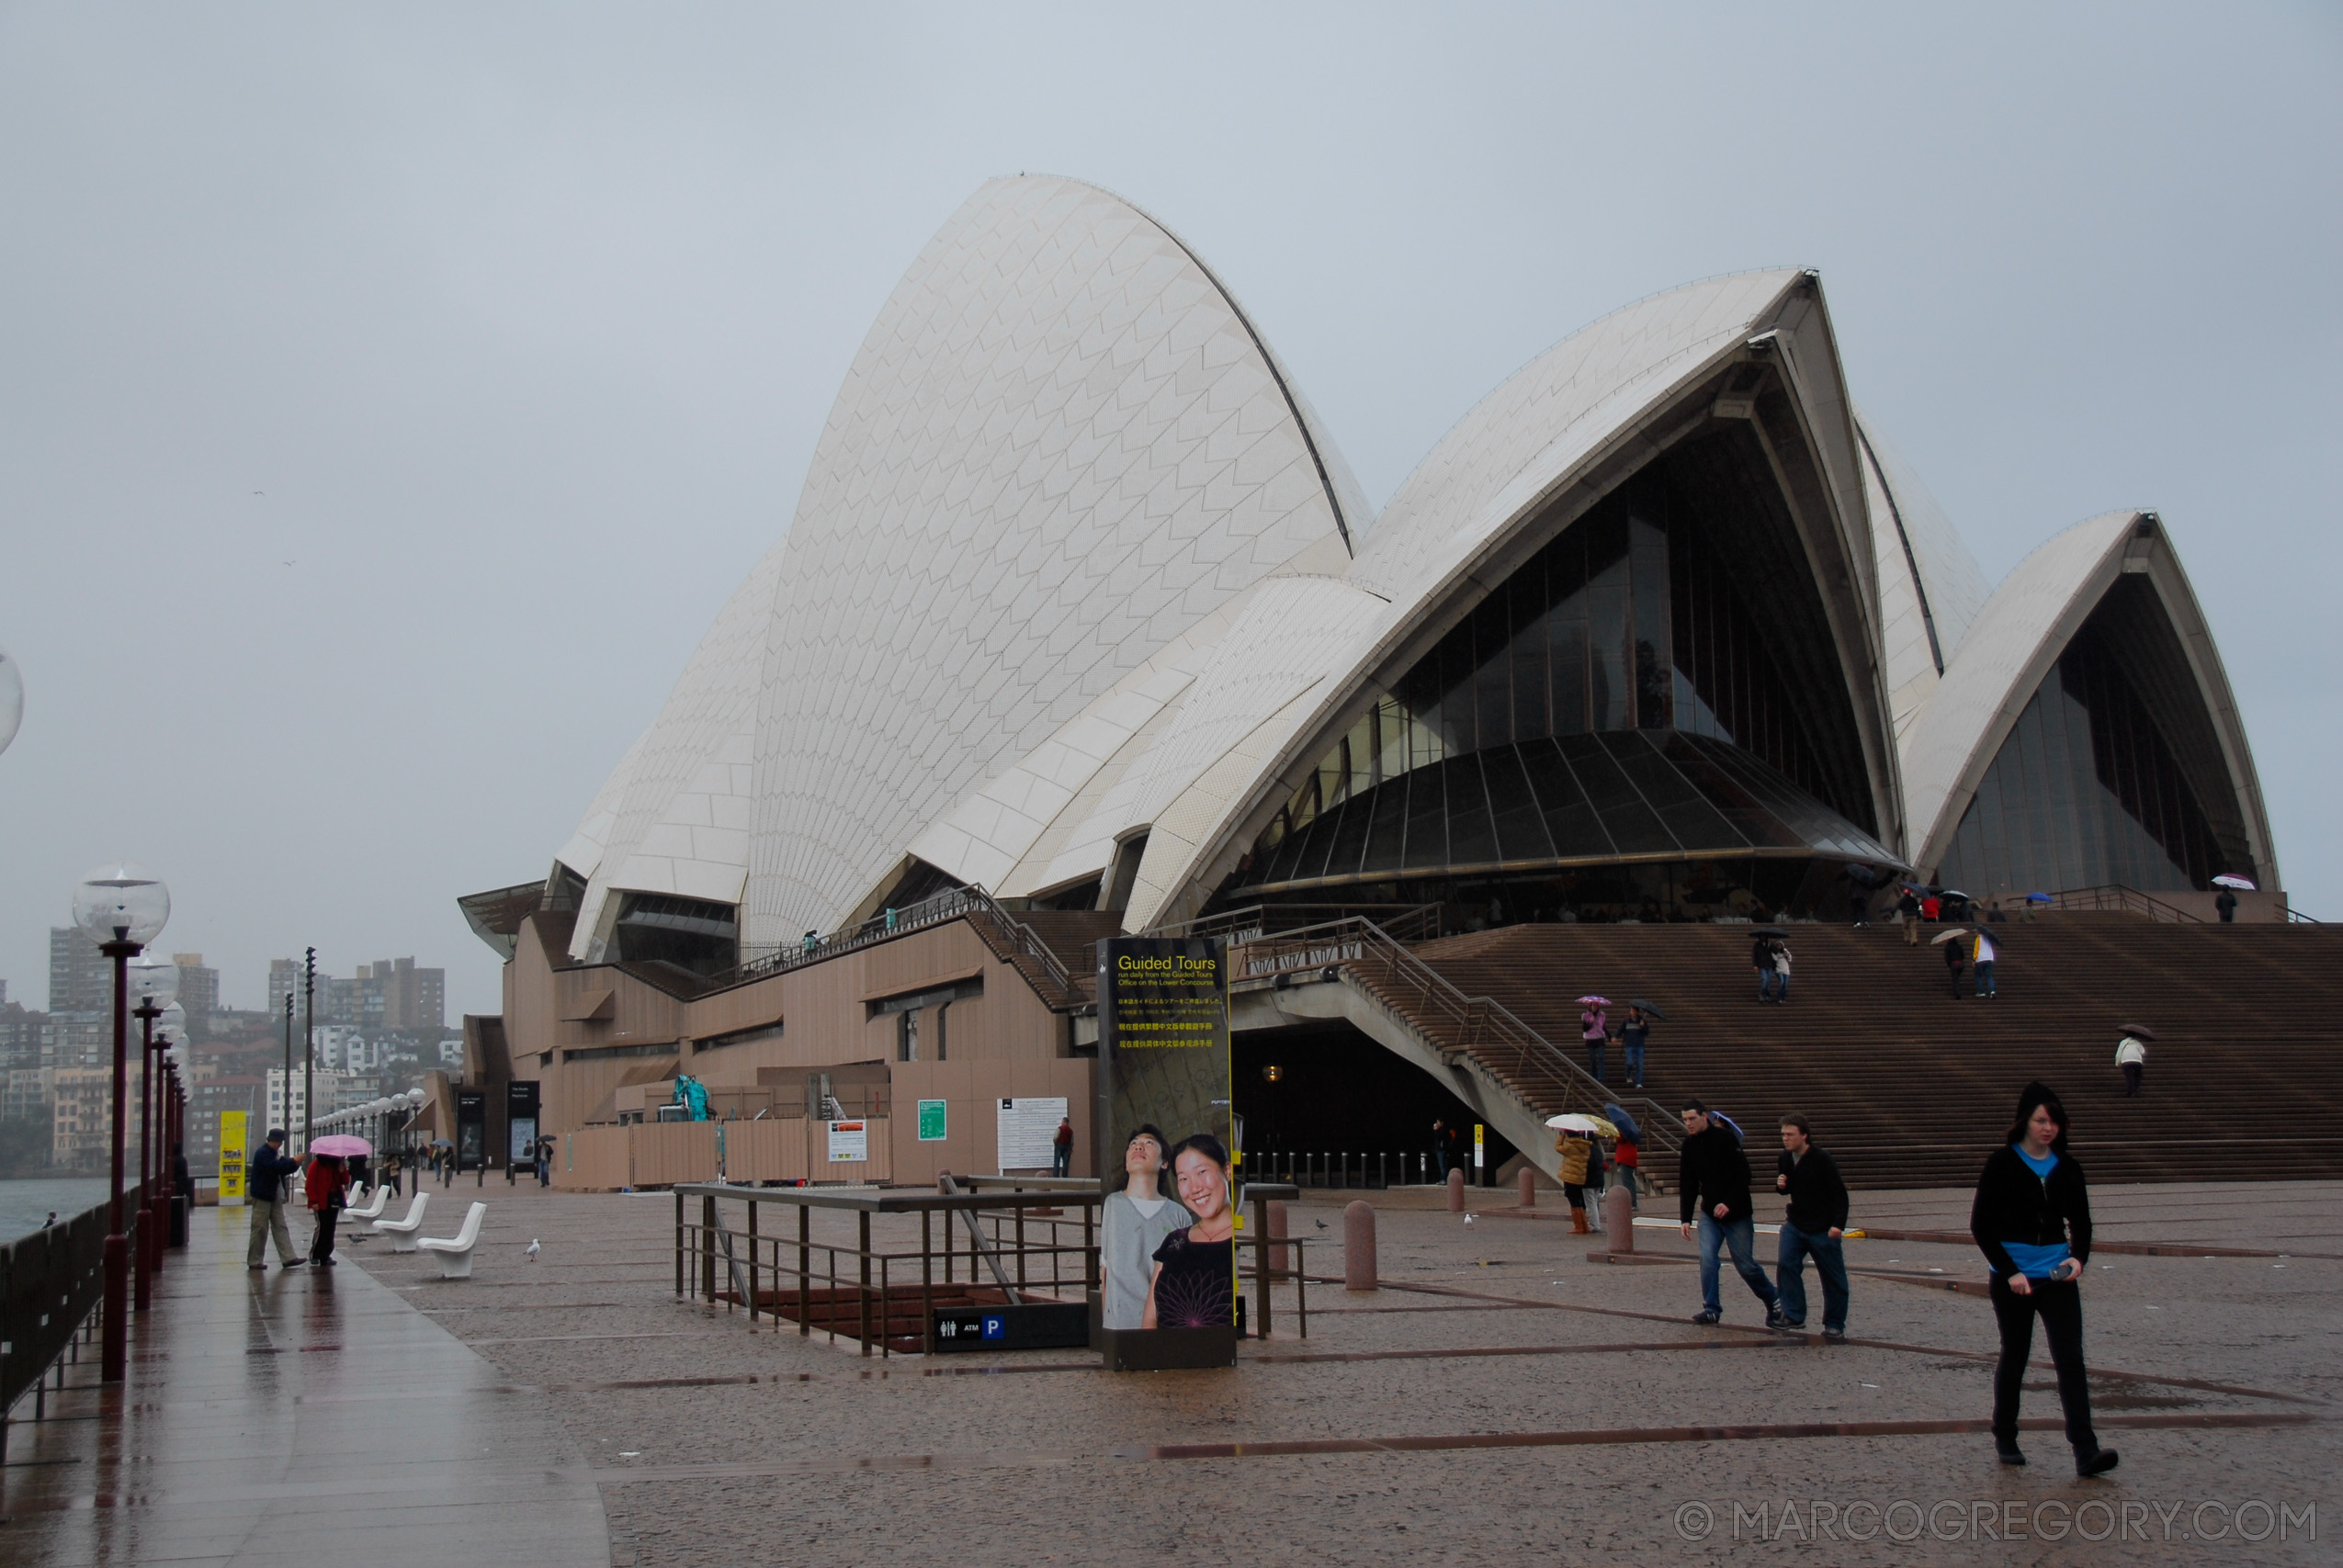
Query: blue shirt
{"x": 2037, "y": 1260}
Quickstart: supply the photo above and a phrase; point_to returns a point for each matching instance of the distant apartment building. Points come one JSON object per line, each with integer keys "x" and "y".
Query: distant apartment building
{"x": 20, "y": 1033}
{"x": 209, "y": 1098}
{"x": 198, "y": 991}
{"x": 288, "y": 1113}
{"x": 390, "y": 994}
{"x": 81, "y": 978}
{"x": 80, "y": 1126}
{"x": 25, "y": 1093}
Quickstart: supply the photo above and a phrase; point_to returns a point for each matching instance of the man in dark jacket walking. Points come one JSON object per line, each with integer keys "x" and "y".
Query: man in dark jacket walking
{"x": 1712, "y": 1180}
{"x": 267, "y": 1171}
{"x": 1817, "y": 1219}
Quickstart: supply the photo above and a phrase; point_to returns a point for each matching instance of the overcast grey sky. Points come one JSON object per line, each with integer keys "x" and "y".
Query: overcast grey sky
{"x": 388, "y": 396}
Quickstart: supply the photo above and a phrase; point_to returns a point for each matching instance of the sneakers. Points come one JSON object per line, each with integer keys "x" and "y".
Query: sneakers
{"x": 2006, "y": 1449}
{"x": 258, "y": 1266}
{"x": 2099, "y": 1462}
{"x": 1708, "y": 1317}
{"x": 1834, "y": 1336}
{"x": 1774, "y": 1319}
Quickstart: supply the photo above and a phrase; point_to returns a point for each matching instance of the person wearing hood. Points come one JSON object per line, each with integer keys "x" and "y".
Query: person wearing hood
{"x": 2031, "y": 1218}
{"x": 2132, "y": 1056}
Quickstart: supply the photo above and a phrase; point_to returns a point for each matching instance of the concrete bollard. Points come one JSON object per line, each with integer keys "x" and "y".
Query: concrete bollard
{"x": 1619, "y": 1220}
{"x": 1358, "y": 1246}
{"x": 1529, "y": 1187}
{"x": 1455, "y": 1192}
{"x": 1277, "y": 1232}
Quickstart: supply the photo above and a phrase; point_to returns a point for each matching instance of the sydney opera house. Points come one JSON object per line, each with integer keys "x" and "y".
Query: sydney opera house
{"x": 1083, "y": 625}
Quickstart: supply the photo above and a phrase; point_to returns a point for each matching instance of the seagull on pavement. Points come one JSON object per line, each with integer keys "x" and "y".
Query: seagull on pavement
{"x": 531, "y": 1249}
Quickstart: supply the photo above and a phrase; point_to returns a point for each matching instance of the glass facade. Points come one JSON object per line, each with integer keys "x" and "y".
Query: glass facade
{"x": 2086, "y": 791}
{"x": 689, "y": 933}
{"x": 1622, "y": 696}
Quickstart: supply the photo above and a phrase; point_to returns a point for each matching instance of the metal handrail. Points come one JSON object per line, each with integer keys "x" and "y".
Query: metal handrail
{"x": 969, "y": 903}
{"x": 1419, "y": 922}
{"x": 2130, "y": 900}
{"x": 1480, "y": 1025}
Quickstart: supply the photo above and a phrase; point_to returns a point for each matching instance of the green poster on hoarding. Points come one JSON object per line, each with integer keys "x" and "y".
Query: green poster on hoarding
{"x": 931, "y": 1121}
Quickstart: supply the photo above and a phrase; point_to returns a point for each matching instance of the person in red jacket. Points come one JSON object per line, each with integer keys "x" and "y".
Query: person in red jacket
{"x": 328, "y": 1187}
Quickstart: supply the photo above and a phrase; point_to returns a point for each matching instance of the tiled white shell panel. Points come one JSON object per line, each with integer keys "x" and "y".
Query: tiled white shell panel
{"x": 1057, "y": 449}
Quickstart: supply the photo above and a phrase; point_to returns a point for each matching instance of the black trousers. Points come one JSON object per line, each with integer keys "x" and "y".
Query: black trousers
{"x": 321, "y": 1247}
{"x": 2060, "y": 1307}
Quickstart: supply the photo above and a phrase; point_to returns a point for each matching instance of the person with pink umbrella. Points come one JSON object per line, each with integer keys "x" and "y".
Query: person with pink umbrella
{"x": 327, "y": 1187}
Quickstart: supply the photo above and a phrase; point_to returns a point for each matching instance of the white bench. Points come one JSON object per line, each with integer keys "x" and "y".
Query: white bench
{"x": 455, "y": 1256}
{"x": 402, "y": 1232}
{"x": 368, "y": 1215}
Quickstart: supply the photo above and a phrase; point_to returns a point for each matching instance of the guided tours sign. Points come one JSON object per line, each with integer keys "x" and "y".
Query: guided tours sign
{"x": 1165, "y": 1136}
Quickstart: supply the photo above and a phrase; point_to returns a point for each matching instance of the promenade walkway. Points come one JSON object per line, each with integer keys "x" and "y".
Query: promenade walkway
{"x": 296, "y": 1416}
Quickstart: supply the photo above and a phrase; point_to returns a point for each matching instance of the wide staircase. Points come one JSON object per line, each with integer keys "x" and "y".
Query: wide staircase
{"x": 1909, "y": 1088}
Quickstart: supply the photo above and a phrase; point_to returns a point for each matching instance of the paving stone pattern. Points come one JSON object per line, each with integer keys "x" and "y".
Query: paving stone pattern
{"x": 716, "y": 1443}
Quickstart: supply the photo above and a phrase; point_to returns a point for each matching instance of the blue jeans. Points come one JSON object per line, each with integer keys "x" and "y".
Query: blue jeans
{"x": 1595, "y": 1057}
{"x": 1766, "y": 978}
{"x": 1984, "y": 978}
{"x": 1739, "y": 1237}
{"x": 1635, "y": 1055}
{"x": 1830, "y": 1261}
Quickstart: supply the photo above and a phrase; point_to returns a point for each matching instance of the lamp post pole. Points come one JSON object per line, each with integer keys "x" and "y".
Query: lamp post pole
{"x": 114, "y": 1358}
{"x": 309, "y": 1045}
{"x": 146, "y": 1012}
{"x": 288, "y": 1060}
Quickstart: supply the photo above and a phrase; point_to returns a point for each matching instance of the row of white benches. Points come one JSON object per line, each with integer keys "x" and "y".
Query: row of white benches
{"x": 453, "y": 1253}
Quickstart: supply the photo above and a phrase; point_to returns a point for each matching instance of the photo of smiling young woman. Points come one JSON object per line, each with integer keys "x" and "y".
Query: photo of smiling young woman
{"x": 1194, "y": 1285}
{"x": 1138, "y": 1218}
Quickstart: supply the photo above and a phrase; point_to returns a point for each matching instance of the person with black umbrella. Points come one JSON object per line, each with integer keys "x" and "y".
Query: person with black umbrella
{"x": 1761, "y": 959}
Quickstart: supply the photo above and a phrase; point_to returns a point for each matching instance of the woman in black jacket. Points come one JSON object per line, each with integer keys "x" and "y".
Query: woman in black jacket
{"x": 2032, "y": 1220}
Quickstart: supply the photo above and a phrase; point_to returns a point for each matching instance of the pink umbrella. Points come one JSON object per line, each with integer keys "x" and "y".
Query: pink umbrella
{"x": 340, "y": 1144}
{"x": 1594, "y": 1001}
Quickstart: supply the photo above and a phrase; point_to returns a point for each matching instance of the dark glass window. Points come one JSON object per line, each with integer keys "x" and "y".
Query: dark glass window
{"x": 689, "y": 933}
{"x": 2084, "y": 792}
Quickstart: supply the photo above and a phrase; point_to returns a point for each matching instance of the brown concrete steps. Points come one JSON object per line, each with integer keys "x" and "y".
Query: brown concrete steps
{"x": 1909, "y": 1086}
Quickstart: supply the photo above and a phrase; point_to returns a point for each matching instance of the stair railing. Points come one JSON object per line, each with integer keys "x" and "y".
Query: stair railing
{"x": 1531, "y": 1066}
{"x": 2130, "y": 900}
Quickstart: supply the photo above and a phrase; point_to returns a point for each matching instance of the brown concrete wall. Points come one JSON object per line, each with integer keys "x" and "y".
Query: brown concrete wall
{"x": 969, "y": 1090}
{"x": 595, "y": 1160}
{"x": 666, "y": 1153}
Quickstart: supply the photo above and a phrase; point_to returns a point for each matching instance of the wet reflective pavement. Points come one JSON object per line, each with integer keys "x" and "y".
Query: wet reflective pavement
{"x": 294, "y": 1416}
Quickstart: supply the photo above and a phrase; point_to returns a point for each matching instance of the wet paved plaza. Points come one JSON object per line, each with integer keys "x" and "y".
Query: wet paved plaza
{"x": 1502, "y": 1399}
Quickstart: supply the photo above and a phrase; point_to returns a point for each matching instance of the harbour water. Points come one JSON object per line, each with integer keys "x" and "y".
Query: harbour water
{"x": 24, "y": 1204}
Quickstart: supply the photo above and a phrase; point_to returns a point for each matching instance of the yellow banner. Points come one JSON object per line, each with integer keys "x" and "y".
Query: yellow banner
{"x": 231, "y": 1157}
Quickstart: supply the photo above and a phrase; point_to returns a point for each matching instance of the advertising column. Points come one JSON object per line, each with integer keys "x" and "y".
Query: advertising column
{"x": 1166, "y": 1253}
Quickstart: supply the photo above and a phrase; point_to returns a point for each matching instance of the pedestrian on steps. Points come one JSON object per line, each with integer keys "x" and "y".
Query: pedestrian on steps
{"x": 1713, "y": 1181}
{"x": 2031, "y": 1218}
{"x": 1956, "y": 953}
{"x": 1634, "y": 1034}
{"x": 1761, "y": 959}
{"x": 1780, "y": 971}
{"x": 1986, "y": 955}
{"x": 2132, "y": 1056}
{"x": 1907, "y": 915}
{"x": 1815, "y": 1225}
{"x": 1594, "y": 1028}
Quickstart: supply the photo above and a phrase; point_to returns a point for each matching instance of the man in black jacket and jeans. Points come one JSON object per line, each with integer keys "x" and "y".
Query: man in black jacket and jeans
{"x": 1713, "y": 1177}
{"x": 1817, "y": 1219}
{"x": 266, "y": 1173}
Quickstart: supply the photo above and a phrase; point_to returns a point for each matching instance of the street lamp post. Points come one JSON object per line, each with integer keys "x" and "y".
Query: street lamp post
{"x": 154, "y": 983}
{"x": 170, "y": 1027}
{"x": 122, "y": 908}
{"x": 308, "y": 1044}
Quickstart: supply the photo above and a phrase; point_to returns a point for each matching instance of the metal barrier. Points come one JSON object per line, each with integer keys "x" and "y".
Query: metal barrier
{"x": 2115, "y": 895}
{"x": 51, "y": 1284}
{"x": 861, "y": 1287}
{"x": 1019, "y": 1250}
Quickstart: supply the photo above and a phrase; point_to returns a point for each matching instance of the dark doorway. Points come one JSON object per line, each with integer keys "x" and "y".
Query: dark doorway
{"x": 1336, "y": 1093}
